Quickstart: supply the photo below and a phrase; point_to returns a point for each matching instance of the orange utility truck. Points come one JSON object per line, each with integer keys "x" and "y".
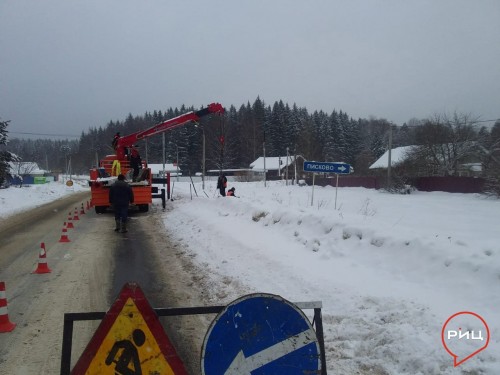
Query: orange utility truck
{"x": 103, "y": 176}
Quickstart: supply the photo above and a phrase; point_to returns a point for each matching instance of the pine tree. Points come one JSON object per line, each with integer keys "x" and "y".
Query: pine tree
{"x": 320, "y": 124}
{"x": 295, "y": 121}
{"x": 276, "y": 132}
{"x": 259, "y": 114}
{"x": 5, "y": 156}
{"x": 332, "y": 137}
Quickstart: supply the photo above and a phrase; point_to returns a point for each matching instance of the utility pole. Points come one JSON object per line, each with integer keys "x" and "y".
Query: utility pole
{"x": 163, "y": 155}
{"x": 197, "y": 125}
{"x": 203, "y": 162}
{"x": 264, "y": 149}
{"x": 295, "y": 168}
{"x": 177, "y": 162}
{"x": 286, "y": 172}
{"x": 389, "y": 158}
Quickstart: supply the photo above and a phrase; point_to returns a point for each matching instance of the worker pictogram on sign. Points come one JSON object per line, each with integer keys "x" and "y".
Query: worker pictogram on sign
{"x": 130, "y": 341}
{"x": 124, "y": 353}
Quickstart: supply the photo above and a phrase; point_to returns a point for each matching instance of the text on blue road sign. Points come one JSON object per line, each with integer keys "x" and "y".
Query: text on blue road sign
{"x": 323, "y": 167}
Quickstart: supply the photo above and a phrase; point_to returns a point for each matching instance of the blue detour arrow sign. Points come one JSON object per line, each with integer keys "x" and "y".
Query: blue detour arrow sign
{"x": 243, "y": 365}
{"x": 323, "y": 167}
{"x": 260, "y": 334}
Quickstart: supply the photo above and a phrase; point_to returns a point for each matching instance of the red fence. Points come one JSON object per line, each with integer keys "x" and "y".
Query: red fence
{"x": 347, "y": 181}
{"x": 450, "y": 184}
{"x": 447, "y": 184}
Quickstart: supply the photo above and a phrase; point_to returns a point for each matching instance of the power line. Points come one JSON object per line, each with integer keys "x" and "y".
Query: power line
{"x": 498, "y": 119}
{"x": 472, "y": 122}
{"x": 48, "y": 135}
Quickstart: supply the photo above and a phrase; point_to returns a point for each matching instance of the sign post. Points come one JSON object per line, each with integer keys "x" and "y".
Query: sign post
{"x": 323, "y": 167}
{"x": 312, "y": 194}
{"x": 336, "y": 189}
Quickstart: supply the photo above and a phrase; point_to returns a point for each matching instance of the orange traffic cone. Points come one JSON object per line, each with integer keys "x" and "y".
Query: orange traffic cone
{"x": 75, "y": 216}
{"x": 82, "y": 211}
{"x": 69, "y": 225}
{"x": 42, "y": 261}
{"x": 88, "y": 206}
{"x": 5, "y": 324}
{"x": 64, "y": 236}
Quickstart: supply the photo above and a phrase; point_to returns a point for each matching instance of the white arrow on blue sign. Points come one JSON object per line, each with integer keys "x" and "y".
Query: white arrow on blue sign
{"x": 260, "y": 334}
{"x": 323, "y": 167}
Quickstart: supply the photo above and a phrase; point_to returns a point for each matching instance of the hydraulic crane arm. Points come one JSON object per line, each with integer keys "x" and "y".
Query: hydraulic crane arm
{"x": 127, "y": 141}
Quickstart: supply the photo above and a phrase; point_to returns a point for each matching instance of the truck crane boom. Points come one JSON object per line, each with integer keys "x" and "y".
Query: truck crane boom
{"x": 129, "y": 140}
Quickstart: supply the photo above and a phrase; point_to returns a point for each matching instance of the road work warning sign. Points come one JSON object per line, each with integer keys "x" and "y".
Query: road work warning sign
{"x": 130, "y": 341}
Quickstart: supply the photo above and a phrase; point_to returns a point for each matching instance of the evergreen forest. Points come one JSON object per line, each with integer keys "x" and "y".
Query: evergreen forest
{"x": 240, "y": 136}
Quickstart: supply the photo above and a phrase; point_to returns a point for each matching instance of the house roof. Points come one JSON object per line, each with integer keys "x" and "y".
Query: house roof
{"x": 25, "y": 168}
{"x": 169, "y": 168}
{"x": 398, "y": 155}
{"x": 272, "y": 163}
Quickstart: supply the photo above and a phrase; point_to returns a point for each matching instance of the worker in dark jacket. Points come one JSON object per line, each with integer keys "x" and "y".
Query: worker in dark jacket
{"x": 120, "y": 195}
{"x": 135, "y": 163}
{"x": 222, "y": 184}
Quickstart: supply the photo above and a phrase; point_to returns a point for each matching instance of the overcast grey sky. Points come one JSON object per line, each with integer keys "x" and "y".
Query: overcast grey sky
{"x": 68, "y": 65}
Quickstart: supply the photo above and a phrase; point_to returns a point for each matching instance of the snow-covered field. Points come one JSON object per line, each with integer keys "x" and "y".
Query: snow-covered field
{"x": 389, "y": 269}
{"x": 16, "y": 199}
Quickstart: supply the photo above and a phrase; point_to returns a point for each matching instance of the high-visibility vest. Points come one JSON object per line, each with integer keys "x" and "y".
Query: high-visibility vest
{"x": 116, "y": 168}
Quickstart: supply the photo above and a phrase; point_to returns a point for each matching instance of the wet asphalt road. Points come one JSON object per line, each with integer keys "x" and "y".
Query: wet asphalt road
{"x": 146, "y": 256}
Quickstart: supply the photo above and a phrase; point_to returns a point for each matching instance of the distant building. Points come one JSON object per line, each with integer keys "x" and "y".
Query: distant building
{"x": 157, "y": 170}
{"x": 27, "y": 173}
{"x": 230, "y": 171}
{"x": 276, "y": 164}
{"x": 398, "y": 156}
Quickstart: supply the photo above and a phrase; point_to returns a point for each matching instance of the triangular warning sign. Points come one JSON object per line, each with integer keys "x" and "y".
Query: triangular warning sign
{"x": 129, "y": 340}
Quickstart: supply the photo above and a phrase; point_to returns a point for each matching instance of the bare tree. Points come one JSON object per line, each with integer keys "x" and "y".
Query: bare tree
{"x": 22, "y": 169}
{"x": 445, "y": 142}
{"x": 489, "y": 147}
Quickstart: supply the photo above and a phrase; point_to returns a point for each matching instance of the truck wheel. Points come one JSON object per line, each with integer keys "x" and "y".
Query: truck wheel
{"x": 100, "y": 209}
{"x": 143, "y": 207}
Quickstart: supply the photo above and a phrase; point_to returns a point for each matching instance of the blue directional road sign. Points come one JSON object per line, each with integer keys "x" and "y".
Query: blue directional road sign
{"x": 319, "y": 167}
{"x": 260, "y": 334}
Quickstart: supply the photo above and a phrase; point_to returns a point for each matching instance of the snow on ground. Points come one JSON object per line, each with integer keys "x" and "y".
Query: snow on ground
{"x": 389, "y": 269}
{"x": 17, "y": 199}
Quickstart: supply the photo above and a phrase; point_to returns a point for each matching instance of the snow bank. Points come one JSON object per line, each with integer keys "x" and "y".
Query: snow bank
{"x": 389, "y": 269}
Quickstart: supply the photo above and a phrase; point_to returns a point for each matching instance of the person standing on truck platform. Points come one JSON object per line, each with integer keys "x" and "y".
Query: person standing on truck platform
{"x": 114, "y": 143}
{"x": 120, "y": 195}
{"x": 135, "y": 163}
{"x": 222, "y": 184}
